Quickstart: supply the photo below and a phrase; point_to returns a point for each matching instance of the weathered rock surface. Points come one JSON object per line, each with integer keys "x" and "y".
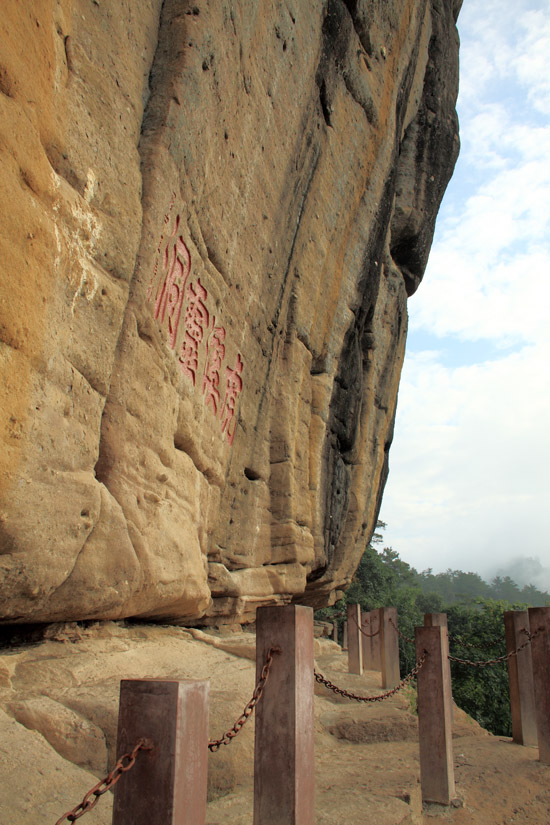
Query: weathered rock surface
{"x": 37, "y": 783}
{"x": 216, "y": 211}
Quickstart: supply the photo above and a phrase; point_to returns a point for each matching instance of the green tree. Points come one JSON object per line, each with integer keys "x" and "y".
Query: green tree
{"x": 475, "y": 617}
{"x": 505, "y": 588}
{"x": 478, "y": 635}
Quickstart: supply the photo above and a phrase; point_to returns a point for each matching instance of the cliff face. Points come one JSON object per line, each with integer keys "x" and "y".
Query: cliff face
{"x": 214, "y": 213}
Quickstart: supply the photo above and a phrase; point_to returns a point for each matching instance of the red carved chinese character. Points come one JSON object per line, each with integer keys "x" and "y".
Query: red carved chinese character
{"x": 170, "y": 291}
{"x": 196, "y": 321}
{"x": 215, "y": 353}
{"x": 189, "y": 357}
{"x": 233, "y": 387}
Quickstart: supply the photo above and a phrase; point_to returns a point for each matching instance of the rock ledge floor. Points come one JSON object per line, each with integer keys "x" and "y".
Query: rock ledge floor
{"x": 58, "y": 714}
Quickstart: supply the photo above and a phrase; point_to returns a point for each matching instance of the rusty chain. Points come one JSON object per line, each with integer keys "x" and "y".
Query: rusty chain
{"x": 364, "y": 632}
{"x": 126, "y": 761}
{"x": 490, "y": 646}
{"x": 215, "y": 744}
{"x": 349, "y": 695}
{"x": 459, "y": 641}
{"x": 482, "y": 645}
{"x": 499, "y": 658}
{"x": 402, "y": 635}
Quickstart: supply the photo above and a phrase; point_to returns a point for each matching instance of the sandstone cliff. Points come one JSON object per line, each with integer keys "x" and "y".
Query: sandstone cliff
{"x": 213, "y": 214}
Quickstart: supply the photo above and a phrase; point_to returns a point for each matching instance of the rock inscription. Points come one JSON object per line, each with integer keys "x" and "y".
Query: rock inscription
{"x": 170, "y": 290}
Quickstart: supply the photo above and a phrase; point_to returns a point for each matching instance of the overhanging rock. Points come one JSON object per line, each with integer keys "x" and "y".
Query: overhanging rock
{"x": 216, "y": 213}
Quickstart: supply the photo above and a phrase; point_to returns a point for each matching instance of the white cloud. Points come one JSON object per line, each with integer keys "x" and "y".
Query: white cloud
{"x": 507, "y": 303}
{"x": 471, "y": 485}
{"x": 531, "y": 64}
{"x": 489, "y": 269}
{"x": 469, "y": 476}
{"x": 504, "y": 41}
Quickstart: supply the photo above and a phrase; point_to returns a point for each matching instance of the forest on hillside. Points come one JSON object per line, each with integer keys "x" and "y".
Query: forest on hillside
{"x": 474, "y": 611}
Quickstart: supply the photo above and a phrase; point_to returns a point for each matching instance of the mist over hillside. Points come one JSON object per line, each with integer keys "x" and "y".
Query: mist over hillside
{"x": 526, "y": 571}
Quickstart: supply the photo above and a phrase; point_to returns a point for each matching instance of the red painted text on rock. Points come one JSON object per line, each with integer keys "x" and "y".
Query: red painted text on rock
{"x": 176, "y": 266}
{"x": 215, "y": 353}
{"x": 195, "y": 322}
{"x": 233, "y": 388}
{"x": 181, "y": 306}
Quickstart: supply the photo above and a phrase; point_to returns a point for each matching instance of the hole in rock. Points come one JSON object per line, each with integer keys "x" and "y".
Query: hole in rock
{"x": 251, "y": 474}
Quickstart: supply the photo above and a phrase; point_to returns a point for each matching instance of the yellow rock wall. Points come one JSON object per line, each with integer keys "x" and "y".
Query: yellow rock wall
{"x": 212, "y": 215}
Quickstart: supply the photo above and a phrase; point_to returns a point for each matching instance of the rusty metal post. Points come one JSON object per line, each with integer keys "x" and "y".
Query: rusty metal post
{"x": 440, "y": 620}
{"x": 366, "y": 641}
{"x": 345, "y": 637}
{"x": 376, "y": 649}
{"x": 355, "y": 648}
{"x": 539, "y": 620}
{"x": 520, "y": 678}
{"x": 283, "y": 753}
{"x": 434, "y": 717}
{"x": 389, "y": 647}
{"x": 168, "y": 783}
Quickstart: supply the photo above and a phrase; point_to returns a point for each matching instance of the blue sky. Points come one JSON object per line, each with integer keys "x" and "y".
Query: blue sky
{"x": 469, "y": 484}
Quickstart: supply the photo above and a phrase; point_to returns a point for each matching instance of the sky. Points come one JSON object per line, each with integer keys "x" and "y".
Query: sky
{"x": 469, "y": 483}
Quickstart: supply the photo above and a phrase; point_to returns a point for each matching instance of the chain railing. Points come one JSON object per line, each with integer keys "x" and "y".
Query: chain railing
{"x": 472, "y": 646}
{"x": 230, "y": 734}
{"x": 401, "y": 635}
{"x": 498, "y": 659}
{"x": 349, "y": 695}
{"x": 91, "y": 799}
{"x": 474, "y": 663}
{"x": 364, "y": 632}
{"x": 127, "y": 760}
{"x": 455, "y": 639}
